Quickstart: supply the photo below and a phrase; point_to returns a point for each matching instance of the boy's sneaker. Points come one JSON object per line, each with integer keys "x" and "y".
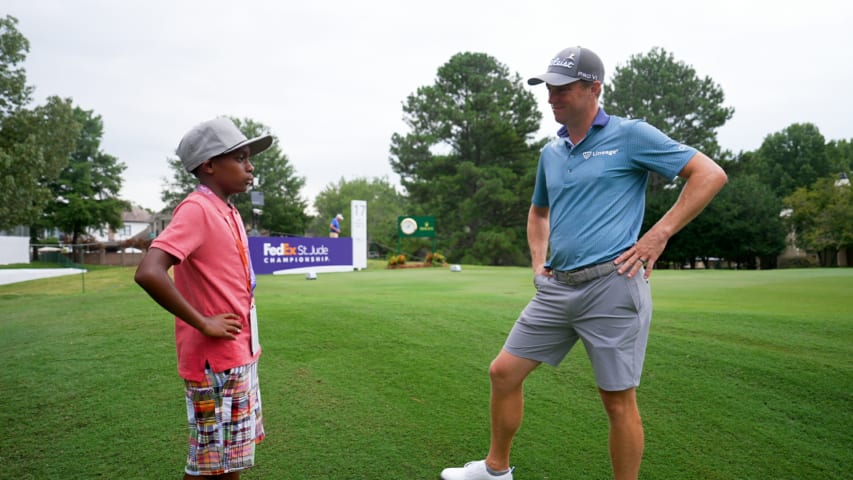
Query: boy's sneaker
{"x": 473, "y": 471}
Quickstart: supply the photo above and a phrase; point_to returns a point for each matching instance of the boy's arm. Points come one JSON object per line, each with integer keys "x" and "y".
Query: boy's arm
{"x": 153, "y": 276}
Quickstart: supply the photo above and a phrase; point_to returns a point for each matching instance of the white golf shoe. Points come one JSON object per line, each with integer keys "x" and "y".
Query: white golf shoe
{"x": 473, "y": 471}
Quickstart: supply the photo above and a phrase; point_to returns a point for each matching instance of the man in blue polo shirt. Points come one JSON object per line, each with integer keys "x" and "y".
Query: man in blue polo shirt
{"x": 335, "y": 226}
{"x": 588, "y": 204}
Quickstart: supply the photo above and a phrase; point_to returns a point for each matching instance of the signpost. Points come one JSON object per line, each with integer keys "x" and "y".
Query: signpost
{"x": 257, "y": 198}
{"x": 410, "y": 226}
{"x": 358, "y": 225}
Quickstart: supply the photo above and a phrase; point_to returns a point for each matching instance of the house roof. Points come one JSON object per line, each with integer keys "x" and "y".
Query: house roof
{"x": 136, "y": 214}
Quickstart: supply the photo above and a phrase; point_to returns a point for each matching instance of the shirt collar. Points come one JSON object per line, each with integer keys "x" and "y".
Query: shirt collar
{"x": 221, "y": 205}
{"x": 600, "y": 120}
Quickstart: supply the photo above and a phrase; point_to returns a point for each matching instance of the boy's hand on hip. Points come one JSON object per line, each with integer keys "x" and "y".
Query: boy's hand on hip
{"x": 224, "y": 325}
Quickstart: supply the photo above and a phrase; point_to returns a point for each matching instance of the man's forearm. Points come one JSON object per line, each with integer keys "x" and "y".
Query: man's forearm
{"x": 703, "y": 184}
{"x": 537, "y": 236}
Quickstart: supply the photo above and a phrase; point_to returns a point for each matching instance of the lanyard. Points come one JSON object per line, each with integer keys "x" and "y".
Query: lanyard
{"x": 229, "y": 219}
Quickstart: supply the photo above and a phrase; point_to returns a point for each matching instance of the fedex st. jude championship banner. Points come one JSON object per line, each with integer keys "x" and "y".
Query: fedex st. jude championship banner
{"x": 279, "y": 255}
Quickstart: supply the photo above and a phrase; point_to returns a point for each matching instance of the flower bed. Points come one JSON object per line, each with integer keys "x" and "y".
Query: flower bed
{"x": 432, "y": 260}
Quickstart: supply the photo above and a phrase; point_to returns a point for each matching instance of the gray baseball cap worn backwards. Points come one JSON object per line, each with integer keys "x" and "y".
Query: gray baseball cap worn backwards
{"x": 216, "y": 137}
{"x": 571, "y": 65}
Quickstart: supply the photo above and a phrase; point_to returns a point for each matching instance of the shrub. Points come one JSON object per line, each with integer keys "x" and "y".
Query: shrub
{"x": 798, "y": 261}
{"x": 396, "y": 260}
{"x": 435, "y": 259}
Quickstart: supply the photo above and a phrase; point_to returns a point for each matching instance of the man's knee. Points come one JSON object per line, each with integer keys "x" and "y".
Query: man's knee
{"x": 500, "y": 371}
{"x": 508, "y": 371}
{"x": 621, "y": 404}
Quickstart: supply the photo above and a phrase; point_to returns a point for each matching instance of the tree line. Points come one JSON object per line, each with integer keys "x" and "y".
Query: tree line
{"x": 468, "y": 158}
{"x": 53, "y": 173}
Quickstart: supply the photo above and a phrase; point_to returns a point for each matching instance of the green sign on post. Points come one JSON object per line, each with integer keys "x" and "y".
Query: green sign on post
{"x": 415, "y": 226}
{"x": 408, "y": 226}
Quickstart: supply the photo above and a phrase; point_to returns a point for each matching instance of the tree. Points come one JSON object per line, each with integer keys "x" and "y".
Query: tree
{"x": 822, "y": 217}
{"x": 86, "y": 191}
{"x": 35, "y": 144}
{"x": 384, "y": 205}
{"x": 669, "y": 95}
{"x": 469, "y": 159}
{"x": 179, "y": 186}
{"x": 283, "y": 212}
{"x": 840, "y": 156}
{"x": 793, "y": 158}
{"x": 14, "y": 91}
{"x": 742, "y": 224}
{"x": 742, "y": 164}
{"x": 284, "y": 208}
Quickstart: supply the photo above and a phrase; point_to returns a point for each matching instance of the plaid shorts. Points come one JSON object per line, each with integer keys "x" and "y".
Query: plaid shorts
{"x": 224, "y": 414}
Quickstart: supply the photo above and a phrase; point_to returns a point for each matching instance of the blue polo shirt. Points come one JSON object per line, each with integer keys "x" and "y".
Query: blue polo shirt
{"x": 596, "y": 190}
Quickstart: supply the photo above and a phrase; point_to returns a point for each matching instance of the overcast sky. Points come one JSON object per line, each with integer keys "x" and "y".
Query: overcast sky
{"x": 329, "y": 77}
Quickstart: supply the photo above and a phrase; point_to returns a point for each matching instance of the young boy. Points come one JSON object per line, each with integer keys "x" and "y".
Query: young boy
{"x": 211, "y": 298}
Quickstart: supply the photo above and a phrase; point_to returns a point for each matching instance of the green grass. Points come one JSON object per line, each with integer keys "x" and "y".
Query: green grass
{"x": 383, "y": 375}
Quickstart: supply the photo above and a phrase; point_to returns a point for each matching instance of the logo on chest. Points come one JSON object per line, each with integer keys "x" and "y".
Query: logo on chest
{"x": 587, "y": 155}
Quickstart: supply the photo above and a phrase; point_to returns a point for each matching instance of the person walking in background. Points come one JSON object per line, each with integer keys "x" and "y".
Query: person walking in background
{"x": 335, "y": 226}
{"x": 587, "y": 210}
{"x": 212, "y": 300}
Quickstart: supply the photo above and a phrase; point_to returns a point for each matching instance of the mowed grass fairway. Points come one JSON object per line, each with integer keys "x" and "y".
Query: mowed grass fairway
{"x": 383, "y": 374}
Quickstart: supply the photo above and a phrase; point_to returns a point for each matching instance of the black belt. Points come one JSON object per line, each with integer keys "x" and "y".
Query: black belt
{"x": 585, "y": 274}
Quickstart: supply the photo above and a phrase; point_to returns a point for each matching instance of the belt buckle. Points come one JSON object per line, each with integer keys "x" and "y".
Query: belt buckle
{"x": 580, "y": 271}
{"x": 565, "y": 276}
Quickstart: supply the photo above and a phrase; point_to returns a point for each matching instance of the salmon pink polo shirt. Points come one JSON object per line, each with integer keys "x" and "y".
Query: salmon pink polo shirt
{"x": 206, "y": 235}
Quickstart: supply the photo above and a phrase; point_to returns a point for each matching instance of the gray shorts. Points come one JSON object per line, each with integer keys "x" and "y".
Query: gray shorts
{"x": 610, "y": 314}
